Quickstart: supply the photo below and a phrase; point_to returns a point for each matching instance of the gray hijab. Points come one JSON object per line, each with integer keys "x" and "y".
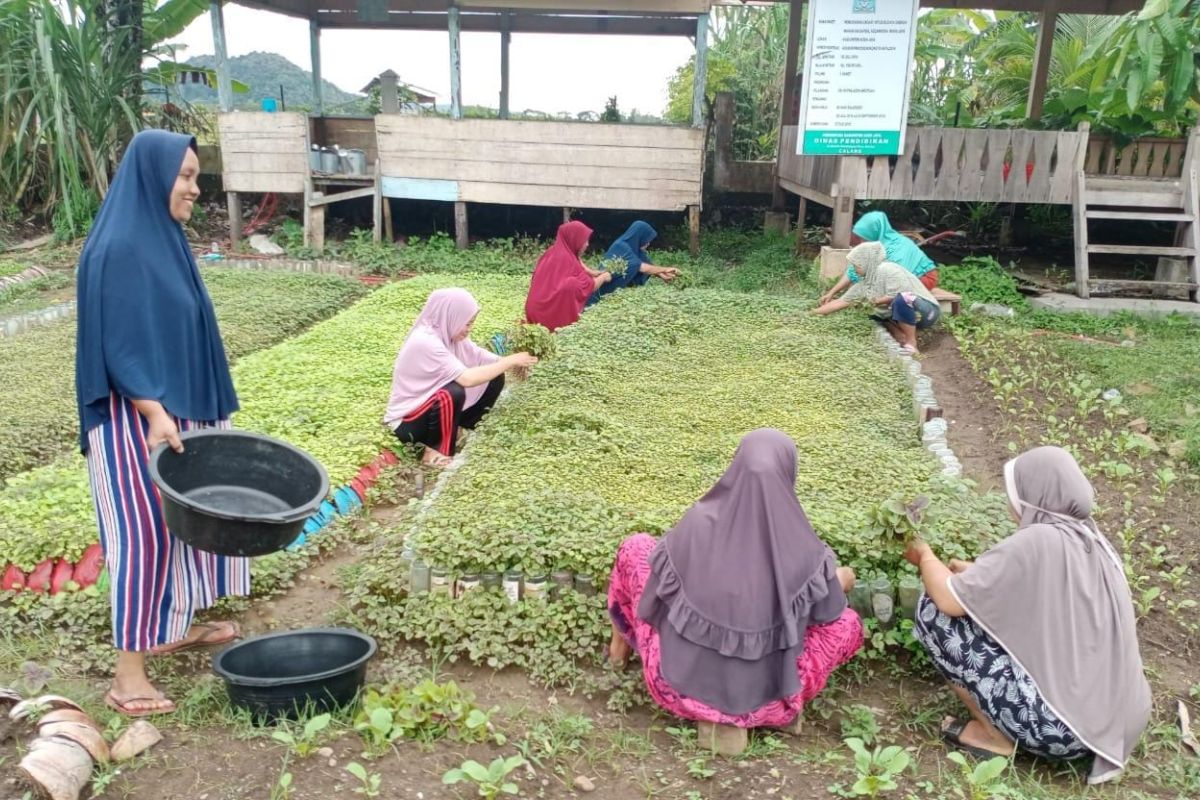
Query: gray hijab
{"x": 734, "y": 586}
{"x": 1054, "y": 596}
{"x": 880, "y": 276}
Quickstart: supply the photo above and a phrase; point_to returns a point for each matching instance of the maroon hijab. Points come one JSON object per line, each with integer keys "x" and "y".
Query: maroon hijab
{"x": 560, "y": 286}
{"x": 734, "y": 586}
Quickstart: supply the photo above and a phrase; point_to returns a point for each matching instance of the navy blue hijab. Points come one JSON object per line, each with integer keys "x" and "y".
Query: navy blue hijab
{"x": 146, "y": 327}
{"x": 630, "y": 248}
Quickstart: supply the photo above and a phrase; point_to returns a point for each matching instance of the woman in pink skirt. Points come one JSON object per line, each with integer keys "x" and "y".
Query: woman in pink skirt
{"x": 739, "y": 612}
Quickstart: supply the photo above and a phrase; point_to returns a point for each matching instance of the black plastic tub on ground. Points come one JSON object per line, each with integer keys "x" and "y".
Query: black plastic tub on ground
{"x": 284, "y": 674}
{"x": 237, "y": 493}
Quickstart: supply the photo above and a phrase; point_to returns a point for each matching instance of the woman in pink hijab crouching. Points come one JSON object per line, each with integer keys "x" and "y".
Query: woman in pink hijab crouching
{"x": 442, "y": 381}
{"x": 739, "y": 612}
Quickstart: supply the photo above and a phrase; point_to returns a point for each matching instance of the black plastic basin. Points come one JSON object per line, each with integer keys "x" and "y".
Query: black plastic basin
{"x": 282, "y": 674}
{"x": 237, "y": 493}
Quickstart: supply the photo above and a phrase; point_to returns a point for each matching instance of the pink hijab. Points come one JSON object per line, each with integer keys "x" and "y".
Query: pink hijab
{"x": 430, "y": 358}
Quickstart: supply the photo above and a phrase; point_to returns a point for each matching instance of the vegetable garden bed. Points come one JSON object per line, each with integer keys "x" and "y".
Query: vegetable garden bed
{"x": 37, "y": 392}
{"x": 635, "y": 419}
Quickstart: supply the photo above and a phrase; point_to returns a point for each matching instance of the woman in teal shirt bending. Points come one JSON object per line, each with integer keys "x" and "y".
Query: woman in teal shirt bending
{"x": 874, "y": 226}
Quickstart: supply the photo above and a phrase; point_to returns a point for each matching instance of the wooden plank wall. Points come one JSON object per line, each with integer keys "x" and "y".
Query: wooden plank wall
{"x": 809, "y": 176}
{"x": 263, "y": 152}
{"x": 1149, "y": 157}
{"x": 970, "y": 165}
{"x": 518, "y": 162}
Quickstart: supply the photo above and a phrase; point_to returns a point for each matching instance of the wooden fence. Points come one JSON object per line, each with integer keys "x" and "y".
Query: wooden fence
{"x": 582, "y": 165}
{"x": 974, "y": 165}
{"x": 263, "y": 152}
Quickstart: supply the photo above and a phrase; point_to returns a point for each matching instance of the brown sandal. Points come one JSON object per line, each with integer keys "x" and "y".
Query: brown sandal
{"x": 161, "y": 705}
{"x": 217, "y": 633}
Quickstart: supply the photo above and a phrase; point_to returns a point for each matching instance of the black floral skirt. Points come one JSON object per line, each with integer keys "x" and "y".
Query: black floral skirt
{"x": 968, "y": 657}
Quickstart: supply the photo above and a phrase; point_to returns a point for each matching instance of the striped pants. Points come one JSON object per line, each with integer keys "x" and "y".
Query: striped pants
{"x": 158, "y": 582}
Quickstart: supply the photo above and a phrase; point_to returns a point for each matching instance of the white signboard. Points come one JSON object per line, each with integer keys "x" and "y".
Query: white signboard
{"x": 857, "y": 68}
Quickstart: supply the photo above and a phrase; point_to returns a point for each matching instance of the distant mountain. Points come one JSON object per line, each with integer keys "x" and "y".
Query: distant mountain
{"x": 264, "y": 73}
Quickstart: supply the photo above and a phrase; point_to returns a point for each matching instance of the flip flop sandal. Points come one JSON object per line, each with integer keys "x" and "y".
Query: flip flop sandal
{"x": 226, "y": 632}
{"x": 952, "y": 735}
{"x": 163, "y": 706}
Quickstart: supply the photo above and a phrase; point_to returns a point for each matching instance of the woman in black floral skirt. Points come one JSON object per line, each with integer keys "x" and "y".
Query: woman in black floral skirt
{"x": 1037, "y": 636}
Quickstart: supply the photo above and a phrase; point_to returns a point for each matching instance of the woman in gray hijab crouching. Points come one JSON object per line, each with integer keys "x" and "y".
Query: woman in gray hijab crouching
{"x": 739, "y": 612}
{"x": 1037, "y": 637}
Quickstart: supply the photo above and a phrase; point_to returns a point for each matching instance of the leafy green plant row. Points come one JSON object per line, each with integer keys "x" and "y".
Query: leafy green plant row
{"x": 323, "y": 391}
{"x": 636, "y": 418}
{"x": 38, "y": 420}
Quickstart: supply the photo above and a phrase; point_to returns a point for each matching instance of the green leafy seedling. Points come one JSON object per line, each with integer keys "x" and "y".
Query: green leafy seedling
{"x": 490, "y": 781}
{"x": 983, "y": 780}
{"x": 369, "y": 782}
{"x": 877, "y": 769}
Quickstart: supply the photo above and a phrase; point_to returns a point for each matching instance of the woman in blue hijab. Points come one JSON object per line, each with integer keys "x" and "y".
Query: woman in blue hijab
{"x": 149, "y": 363}
{"x": 630, "y": 250}
{"x": 874, "y": 226}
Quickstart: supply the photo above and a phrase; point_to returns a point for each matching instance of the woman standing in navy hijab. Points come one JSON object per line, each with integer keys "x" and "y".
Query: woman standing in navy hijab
{"x": 633, "y": 267}
{"x": 149, "y": 363}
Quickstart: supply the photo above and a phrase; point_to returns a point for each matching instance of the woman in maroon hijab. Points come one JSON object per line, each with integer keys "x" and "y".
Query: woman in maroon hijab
{"x": 561, "y": 283}
{"x": 739, "y": 612}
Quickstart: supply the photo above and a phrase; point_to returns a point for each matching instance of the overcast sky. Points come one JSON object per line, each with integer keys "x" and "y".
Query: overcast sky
{"x": 550, "y": 73}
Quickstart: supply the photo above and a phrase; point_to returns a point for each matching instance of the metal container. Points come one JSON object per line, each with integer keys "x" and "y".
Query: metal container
{"x": 354, "y": 162}
{"x": 314, "y": 159}
{"x": 329, "y": 160}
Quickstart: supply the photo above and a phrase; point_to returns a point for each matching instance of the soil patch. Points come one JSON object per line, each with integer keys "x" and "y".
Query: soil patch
{"x": 973, "y": 419}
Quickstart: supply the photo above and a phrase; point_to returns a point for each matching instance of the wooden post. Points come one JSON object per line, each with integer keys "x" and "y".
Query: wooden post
{"x": 505, "y": 41}
{"x": 801, "y": 213}
{"x": 843, "y": 219}
{"x": 462, "y": 236}
{"x": 1041, "y": 60}
{"x": 234, "y": 204}
{"x": 700, "y": 74}
{"x": 314, "y": 43}
{"x": 566, "y": 214}
{"x": 387, "y": 220}
{"x": 455, "y": 63}
{"x": 788, "y": 111}
{"x": 377, "y": 206}
{"x": 723, "y": 149}
{"x": 1079, "y": 211}
{"x": 316, "y": 224}
{"x": 694, "y": 230}
{"x": 224, "y": 84}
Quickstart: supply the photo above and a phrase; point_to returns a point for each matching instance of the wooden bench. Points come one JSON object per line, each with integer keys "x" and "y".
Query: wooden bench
{"x": 949, "y": 301}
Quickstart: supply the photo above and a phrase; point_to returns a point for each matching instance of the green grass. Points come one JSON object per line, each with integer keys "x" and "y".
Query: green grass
{"x": 1154, "y": 362}
{"x": 33, "y": 295}
{"x": 37, "y": 391}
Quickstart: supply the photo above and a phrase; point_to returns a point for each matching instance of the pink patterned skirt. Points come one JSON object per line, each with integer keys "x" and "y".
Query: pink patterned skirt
{"x": 826, "y": 647}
